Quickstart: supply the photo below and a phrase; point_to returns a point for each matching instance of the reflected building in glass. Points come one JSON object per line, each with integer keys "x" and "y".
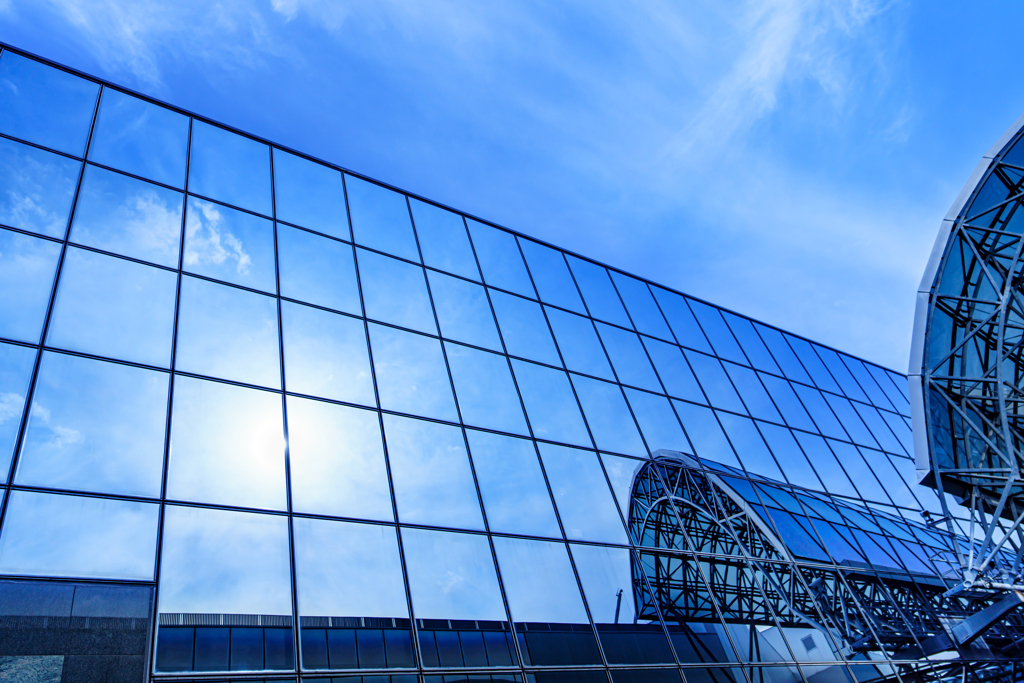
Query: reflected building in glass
{"x": 265, "y": 419}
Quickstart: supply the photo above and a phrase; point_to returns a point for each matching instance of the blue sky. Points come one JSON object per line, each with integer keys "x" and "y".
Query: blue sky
{"x": 788, "y": 159}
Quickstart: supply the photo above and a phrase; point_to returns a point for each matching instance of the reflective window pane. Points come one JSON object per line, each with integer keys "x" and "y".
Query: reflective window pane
{"x": 395, "y": 292}
{"x": 486, "y": 393}
{"x": 608, "y": 415}
{"x": 227, "y": 445}
{"x": 754, "y": 454}
{"x": 50, "y": 535}
{"x": 113, "y": 307}
{"x": 380, "y": 219}
{"x": 602, "y": 300}
{"x": 718, "y": 332}
{"x": 230, "y": 245}
{"x": 38, "y": 188}
{"x": 840, "y": 373}
{"x": 715, "y": 382}
{"x": 27, "y": 267}
{"x": 230, "y": 168}
{"x": 127, "y": 216}
{"x": 687, "y": 331}
{"x": 705, "y": 433}
{"x": 550, "y": 404}
{"x": 443, "y": 240}
{"x": 782, "y": 353}
{"x": 515, "y": 496}
{"x": 336, "y": 458}
{"x": 309, "y": 194}
{"x": 878, "y": 428}
{"x": 15, "y": 374}
{"x": 411, "y": 374}
{"x": 752, "y": 392}
{"x": 431, "y": 474}
{"x": 812, "y": 363}
{"x": 860, "y": 372}
{"x": 141, "y": 138}
{"x": 325, "y": 355}
{"x": 463, "y": 312}
{"x": 789, "y": 456}
{"x": 581, "y": 349}
{"x": 228, "y": 333}
{"x": 499, "y": 258}
{"x": 850, "y": 420}
{"x": 658, "y": 422}
{"x": 582, "y": 497}
{"x": 628, "y": 358}
{"x": 524, "y": 328}
{"x": 317, "y": 270}
{"x": 539, "y": 581}
{"x": 641, "y": 306}
{"x": 787, "y": 402}
{"x": 673, "y": 370}
{"x": 829, "y": 471}
{"x": 751, "y": 343}
{"x": 620, "y": 473}
{"x": 551, "y": 276}
{"x": 45, "y": 105}
{"x": 95, "y": 426}
{"x": 814, "y": 401}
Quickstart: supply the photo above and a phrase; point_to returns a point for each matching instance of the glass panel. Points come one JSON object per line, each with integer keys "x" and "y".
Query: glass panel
{"x": 752, "y": 345}
{"x": 902, "y": 430}
{"x": 582, "y": 496}
{"x": 875, "y": 395}
{"x": 309, "y": 194}
{"x": 787, "y": 403}
{"x": 550, "y": 404}
{"x": 380, "y": 219}
{"x": 753, "y": 452}
{"x": 395, "y": 292}
{"x": 551, "y": 276}
{"x": 832, "y": 476}
{"x": 840, "y": 373}
{"x": 113, "y": 307}
{"x": 229, "y": 168}
{"x": 718, "y": 332}
{"x": 229, "y": 245}
{"x": 813, "y": 364}
{"x": 45, "y": 105}
{"x": 752, "y": 392}
{"x": 879, "y": 429}
{"x": 50, "y": 535}
{"x": 498, "y": 254}
{"x": 620, "y": 473}
{"x": 463, "y": 312}
{"x": 431, "y": 474}
{"x": 888, "y": 383}
{"x": 317, "y": 270}
{"x": 629, "y": 358}
{"x": 579, "y": 344}
{"x": 486, "y": 393}
{"x": 705, "y": 433}
{"x": 608, "y": 415}
{"x": 716, "y": 384}
{"x": 673, "y": 370}
{"x": 657, "y": 421}
{"x": 38, "y": 188}
{"x": 782, "y": 353}
{"x": 141, "y": 138}
{"x": 859, "y": 434}
{"x": 602, "y": 300}
{"x": 789, "y": 456}
{"x": 823, "y": 416}
{"x": 325, "y": 355}
{"x": 524, "y": 328}
{"x": 95, "y": 426}
{"x": 27, "y": 267}
{"x": 229, "y": 333}
{"x": 227, "y": 445}
{"x": 336, "y": 459}
{"x": 515, "y": 496}
{"x": 443, "y": 240}
{"x": 641, "y": 306}
{"x": 15, "y": 374}
{"x": 411, "y": 374}
{"x": 678, "y": 313}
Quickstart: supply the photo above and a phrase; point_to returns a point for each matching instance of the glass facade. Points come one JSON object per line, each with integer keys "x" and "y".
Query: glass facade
{"x": 262, "y": 418}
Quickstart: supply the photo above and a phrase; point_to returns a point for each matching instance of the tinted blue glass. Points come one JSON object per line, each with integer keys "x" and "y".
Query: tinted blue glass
{"x": 115, "y": 308}
{"x": 647, "y": 318}
{"x": 44, "y": 105}
{"x": 815, "y": 368}
{"x": 317, "y": 270}
{"x": 95, "y": 427}
{"x": 550, "y": 404}
{"x": 395, "y": 292}
{"x": 380, "y": 219}
{"x": 229, "y": 333}
{"x": 230, "y": 168}
{"x": 601, "y": 298}
{"x": 499, "y": 258}
{"x": 309, "y": 194}
{"x": 786, "y": 401}
{"x": 840, "y": 373}
{"x": 680, "y": 317}
{"x": 825, "y": 464}
{"x": 752, "y": 345}
{"x": 325, "y": 355}
{"x": 15, "y": 372}
{"x": 888, "y": 383}
{"x": 867, "y": 382}
{"x": 718, "y": 332}
{"x": 539, "y": 581}
{"x": 27, "y": 267}
{"x": 127, "y": 216}
{"x": 758, "y": 403}
{"x": 524, "y": 328}
{"x": 38, "y": 188}
{"x": 230, "y": 245}
{"x": 890, "y": 479}
{"x": 713, "y": 379}
{"x": 879, "y": 429}
{"x": 657, "y": 421}
{"x": 579, "y": 344}
{"x": 850, "y": 420}
{"x": 463, "y": 312}
{"x": 443, "y": 240}
{"x": 141, "y": 138}
{"x": 628, "y": 358}
{"x": 782, "y": 353}
{"x": 858, "y": 471}
{"x": 608, "y": 416}
{"x": 411, "y": 374}
{"x": 673, "y": 370}
{"x": 753, "y": 452}
{"x": 551, "y": 276}
{"x": 819, "y": 410}
{"x": 789, "y": 456}
{"x": 483, "y": 385}
{"x": 582, "y": 497}
{"x": 705, "y": 433}
{"x": 902, "y": 430}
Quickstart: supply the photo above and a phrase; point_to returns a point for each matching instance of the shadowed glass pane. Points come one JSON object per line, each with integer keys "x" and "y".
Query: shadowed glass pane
{"x": 753, "y": 452}
{"x": 673, "y": 370}
{"x": 657, "y": 421}
{"x": 27, "y": 267}
{"x": 499, "y": 258}
{"x": 15, "y": 374}
{"x": 483, "y": 384}
{"x": 45, "y": 105}
{"x": 715, "y": 382}
{"x": 463, "y": 312}
{"x": 581, "y": 349}
{"x": 551, "y": 275}
{"x": 582, "y": 496}
{"x": 524, "y": 328}
{"x": 37, "y": 188}
{"x": 411, "y": 374}
{"x": 680, "y": 317}
{"x": 309, "y": 194}
{"x": 113, "y": 307}
{"x": 602, "y": 300}
{"x": 550, "y": 404}
{"x": 380, "y": 219}
{"x": 608, "y": 415}
{"x": 229, "y": 245}
{"x": 227, "y": 445}
{"x": 515, "y": 496}
{"x": 705, "y": 433}
{"x": 337, "y": 461}
{"x": 395, "y": 292}
{"x": 127, "y": 216}
{"x": 628, "y": 358}
{"x": 49, "y": 535}
{"x": 141, "y": 138}
{"x": 539, "y": 581}
{"x": 443, "y": 240}
{"x": 641, "y": 306}
{"x": 230, "y": 168}
{"x": 431, "y": 474}
{"x": 317, "y": 270}
{"x": 95, "y": 426}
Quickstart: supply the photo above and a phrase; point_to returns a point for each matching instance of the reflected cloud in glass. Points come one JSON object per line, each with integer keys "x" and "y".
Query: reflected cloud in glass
{"x": 27, "y": 267}
{"x": 380, "y": 219}
{"x": 486, "y": 393}
{"x": 395, "y": 292}
{"x": 317, "y": 270}
{"x": 539, "y": 581}
{"x": 37, "y": 188}
{"x": 550, "y": 404}
{"x": 230, "y": 168}
{"x": 443, "y": 240}
{"x": 463, "y": 312}
{"x": 229, "y": 245}
{"x": 582, "y": 496}
{"x": 606, "y": 574}
{"x": 411, "y": 374}
{"x": 309, "y": 194}
{"x": 15, "y": 374}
